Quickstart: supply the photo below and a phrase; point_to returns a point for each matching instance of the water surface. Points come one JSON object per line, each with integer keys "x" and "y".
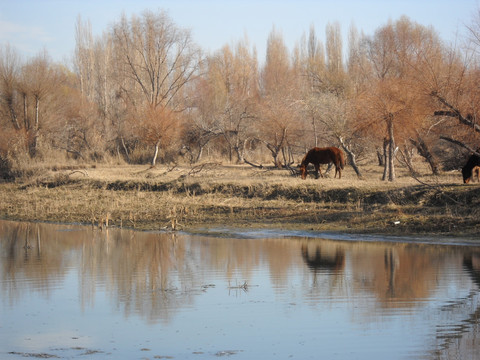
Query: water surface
{"x": 77, "y": 292}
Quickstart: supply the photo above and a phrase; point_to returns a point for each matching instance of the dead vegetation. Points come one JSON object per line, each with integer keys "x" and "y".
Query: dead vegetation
{"x": 183, "y": 198}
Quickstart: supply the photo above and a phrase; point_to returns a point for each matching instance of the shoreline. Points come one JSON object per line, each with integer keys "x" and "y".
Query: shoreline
{"x": 242, "y": 198}
{"x": 262, "y": 232}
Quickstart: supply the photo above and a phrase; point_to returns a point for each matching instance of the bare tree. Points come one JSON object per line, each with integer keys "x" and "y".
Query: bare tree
{"x": 154, "y": 61}
{"x": 9, "y": 73}
{"x": 94, "y": 68}
{"x": 42, "y": 78}
{"x": 337, "y": 118}
{"x": 158, "y": 125}
{"x": 395, "y": 97}
{"x": 231, "y": 91}
{"x": 312, "y": 69}
{"x": 279, "y": 125}
{"x": 334, "y": 51}
{"x": 159, "y": 57}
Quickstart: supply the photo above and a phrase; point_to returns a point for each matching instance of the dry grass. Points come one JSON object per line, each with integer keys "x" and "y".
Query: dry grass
{"x": 213, "y": 194}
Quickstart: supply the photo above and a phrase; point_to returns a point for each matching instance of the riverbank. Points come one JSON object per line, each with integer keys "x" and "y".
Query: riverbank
{"x": 187, "y": 198}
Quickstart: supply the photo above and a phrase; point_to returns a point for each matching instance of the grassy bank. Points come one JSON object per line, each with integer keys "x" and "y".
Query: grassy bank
{"x": 241, "y": 196}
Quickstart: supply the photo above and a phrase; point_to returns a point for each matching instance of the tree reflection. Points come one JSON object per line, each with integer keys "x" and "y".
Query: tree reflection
{"x": 398, "y": 274}
{"x": 26, "y": 258}
{"x": 154, "y": 275}
{"x": 459, "y": 322}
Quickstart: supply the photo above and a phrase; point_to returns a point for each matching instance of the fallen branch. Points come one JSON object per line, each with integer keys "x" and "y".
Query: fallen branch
{"x": 83, "y": 172}
{"x": 74, "y": 152}
{"x": 252, "y": 164}
{"x": 199, "y": 168}
{"x": 150, "y": 167}
{"x": 293, "y": 171}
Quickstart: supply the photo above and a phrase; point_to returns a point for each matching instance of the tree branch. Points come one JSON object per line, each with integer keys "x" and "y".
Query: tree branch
{"x": 459, "y": 143}
{"x": 252, "y": 164}
{"x": 453, "y": 113}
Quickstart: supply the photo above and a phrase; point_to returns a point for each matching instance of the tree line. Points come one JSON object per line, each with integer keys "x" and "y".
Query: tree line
{"x": 144, "y": 91}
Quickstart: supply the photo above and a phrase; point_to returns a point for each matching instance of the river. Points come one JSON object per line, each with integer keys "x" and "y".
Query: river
{"x": 75, "y": 292}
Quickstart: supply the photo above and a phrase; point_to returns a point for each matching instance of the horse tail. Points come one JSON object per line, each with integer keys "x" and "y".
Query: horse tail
{"x": 342, "y": 159}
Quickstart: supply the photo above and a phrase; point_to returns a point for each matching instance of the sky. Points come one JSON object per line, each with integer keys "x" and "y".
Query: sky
{"x": 31, "y": 26}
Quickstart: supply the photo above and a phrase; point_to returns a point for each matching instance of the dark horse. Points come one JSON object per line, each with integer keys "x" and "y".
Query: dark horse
{"x": 317, "y": 156}
{"x": 472, "y": 161}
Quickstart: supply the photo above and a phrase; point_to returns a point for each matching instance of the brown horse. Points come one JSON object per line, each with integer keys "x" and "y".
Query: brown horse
{"x": 317, "y": 156}
{"x": 467, "y": 170}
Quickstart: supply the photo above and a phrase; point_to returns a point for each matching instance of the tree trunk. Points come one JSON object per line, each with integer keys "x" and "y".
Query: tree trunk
{"x": 385, "y": 159}
{"x": 407, "y": 158}
{"x": 391, "y": 150}
{"x": 276, "y": 162}
{"x": 13, "y": 114}
{"x": 424, "y": 151}
{"x": 199, "y": 154}
{"x": 315, "y": 131}
{"x": 380, "y": 157}
{"x": 36, "y": 128}
{"x": 26, "y": 122}
{"x": 240, "y": 151}
{"x": 155, "y": 154}
{"x": 351, "y": 158}
{"x": 37, "y": 107}
{"x": 274, "y": 150}
{"x": 127, "y": 155}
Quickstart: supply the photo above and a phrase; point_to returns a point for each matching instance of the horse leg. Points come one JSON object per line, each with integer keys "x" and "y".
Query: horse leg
{"x": 339, "y": 169}
{"x": 319, "y": 170}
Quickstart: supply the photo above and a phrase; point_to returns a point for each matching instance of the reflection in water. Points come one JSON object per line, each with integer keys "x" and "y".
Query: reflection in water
{"x": 458, "y": 339}
{"x": 319, "y": 262}
{"x": 127, "y": 294}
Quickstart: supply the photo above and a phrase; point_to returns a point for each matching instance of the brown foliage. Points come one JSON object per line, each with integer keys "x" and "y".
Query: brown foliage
{"x": 145, "y": 83}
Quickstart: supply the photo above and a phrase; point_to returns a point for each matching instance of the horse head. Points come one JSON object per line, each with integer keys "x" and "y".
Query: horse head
{"x": 303, "y": 170}
{"x": 467, "y": 174}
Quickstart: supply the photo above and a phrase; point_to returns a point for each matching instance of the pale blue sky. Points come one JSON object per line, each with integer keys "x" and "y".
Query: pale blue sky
{"x": 31, "y": 25}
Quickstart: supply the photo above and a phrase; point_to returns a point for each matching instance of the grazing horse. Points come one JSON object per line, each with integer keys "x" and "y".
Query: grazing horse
{"x": 467, "y": 170}
{"x": 317, "y": 156}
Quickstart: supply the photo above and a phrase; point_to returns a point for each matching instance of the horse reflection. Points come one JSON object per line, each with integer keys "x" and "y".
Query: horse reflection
{"x": 471, "y": 263}
{"x": 318, "y": 262}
